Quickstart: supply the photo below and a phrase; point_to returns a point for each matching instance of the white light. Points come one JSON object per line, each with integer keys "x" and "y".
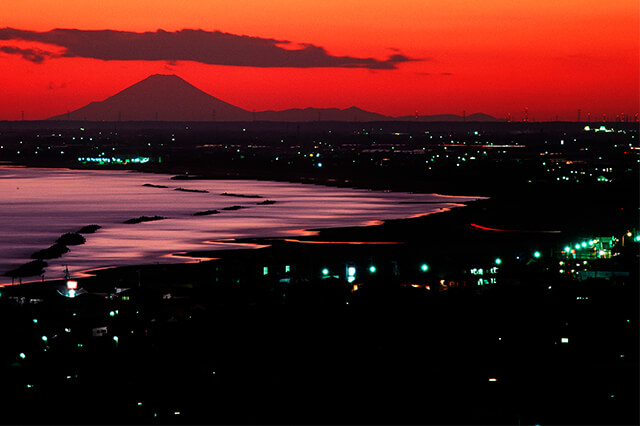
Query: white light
{"x": 564, "y": 340}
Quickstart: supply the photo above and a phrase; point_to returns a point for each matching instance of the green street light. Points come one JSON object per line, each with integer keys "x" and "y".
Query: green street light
{"x": 372, "y": 269}
{"x": 325, "y": 272}
{"x": 536, "y": 255}
{"x": 498, "y": 261}
{"x": 424, "y": 267}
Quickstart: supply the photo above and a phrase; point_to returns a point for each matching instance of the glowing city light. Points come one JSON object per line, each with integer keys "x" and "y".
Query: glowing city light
{"x": 351, "y": 274}
{"x": 372, "y": 269}
{"x": 498, "y": 261}
{"x": 536, "y": 254}
{"x": 424, "y": 267}
{"x": 325, "y": 272}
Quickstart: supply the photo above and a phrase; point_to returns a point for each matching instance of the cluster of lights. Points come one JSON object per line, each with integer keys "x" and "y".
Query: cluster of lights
{"x": 114, "y": 160}
{"x": 351, "y": 271}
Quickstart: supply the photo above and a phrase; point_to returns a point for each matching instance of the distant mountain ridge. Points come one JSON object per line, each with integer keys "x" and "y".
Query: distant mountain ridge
{"x": 161, "y": 97}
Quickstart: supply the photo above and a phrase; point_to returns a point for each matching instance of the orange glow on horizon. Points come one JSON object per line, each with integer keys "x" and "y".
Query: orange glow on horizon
{"x": 495, "y": 56}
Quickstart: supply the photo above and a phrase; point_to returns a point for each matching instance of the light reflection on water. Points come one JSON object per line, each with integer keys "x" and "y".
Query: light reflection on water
{"x": 38, "y": 205}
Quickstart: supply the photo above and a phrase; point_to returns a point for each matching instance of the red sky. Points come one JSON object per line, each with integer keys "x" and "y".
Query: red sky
{"x": 492, "y": 56}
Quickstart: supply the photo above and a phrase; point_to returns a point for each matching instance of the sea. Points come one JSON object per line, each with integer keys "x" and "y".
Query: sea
{"x": 38, "y": 205}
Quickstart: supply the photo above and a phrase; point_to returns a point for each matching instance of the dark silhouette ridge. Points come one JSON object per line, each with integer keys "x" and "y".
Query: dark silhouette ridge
{"x": 159, "y": 98}
{"x": 162, "y": 97}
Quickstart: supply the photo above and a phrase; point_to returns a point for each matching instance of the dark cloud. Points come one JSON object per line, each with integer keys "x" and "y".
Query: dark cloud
{"x": 215, "y": 48}
{"x": 36, "y": 56}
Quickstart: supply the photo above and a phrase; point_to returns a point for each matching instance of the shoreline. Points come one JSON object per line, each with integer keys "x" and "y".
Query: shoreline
{"x": 502, "y": 211}
{"x": 253, "y": 244}
{"x": 254, "y": 241}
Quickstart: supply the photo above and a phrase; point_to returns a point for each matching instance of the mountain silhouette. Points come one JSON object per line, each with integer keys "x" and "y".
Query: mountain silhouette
{"x": 476, "y": 117}
{"x": 162, "y": 97}
{"x": 159, "y": 97}
{"x": 321, "y": 114}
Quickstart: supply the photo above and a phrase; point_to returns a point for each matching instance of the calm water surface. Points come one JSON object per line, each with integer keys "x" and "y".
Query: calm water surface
{"x": 39, "y": 205}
